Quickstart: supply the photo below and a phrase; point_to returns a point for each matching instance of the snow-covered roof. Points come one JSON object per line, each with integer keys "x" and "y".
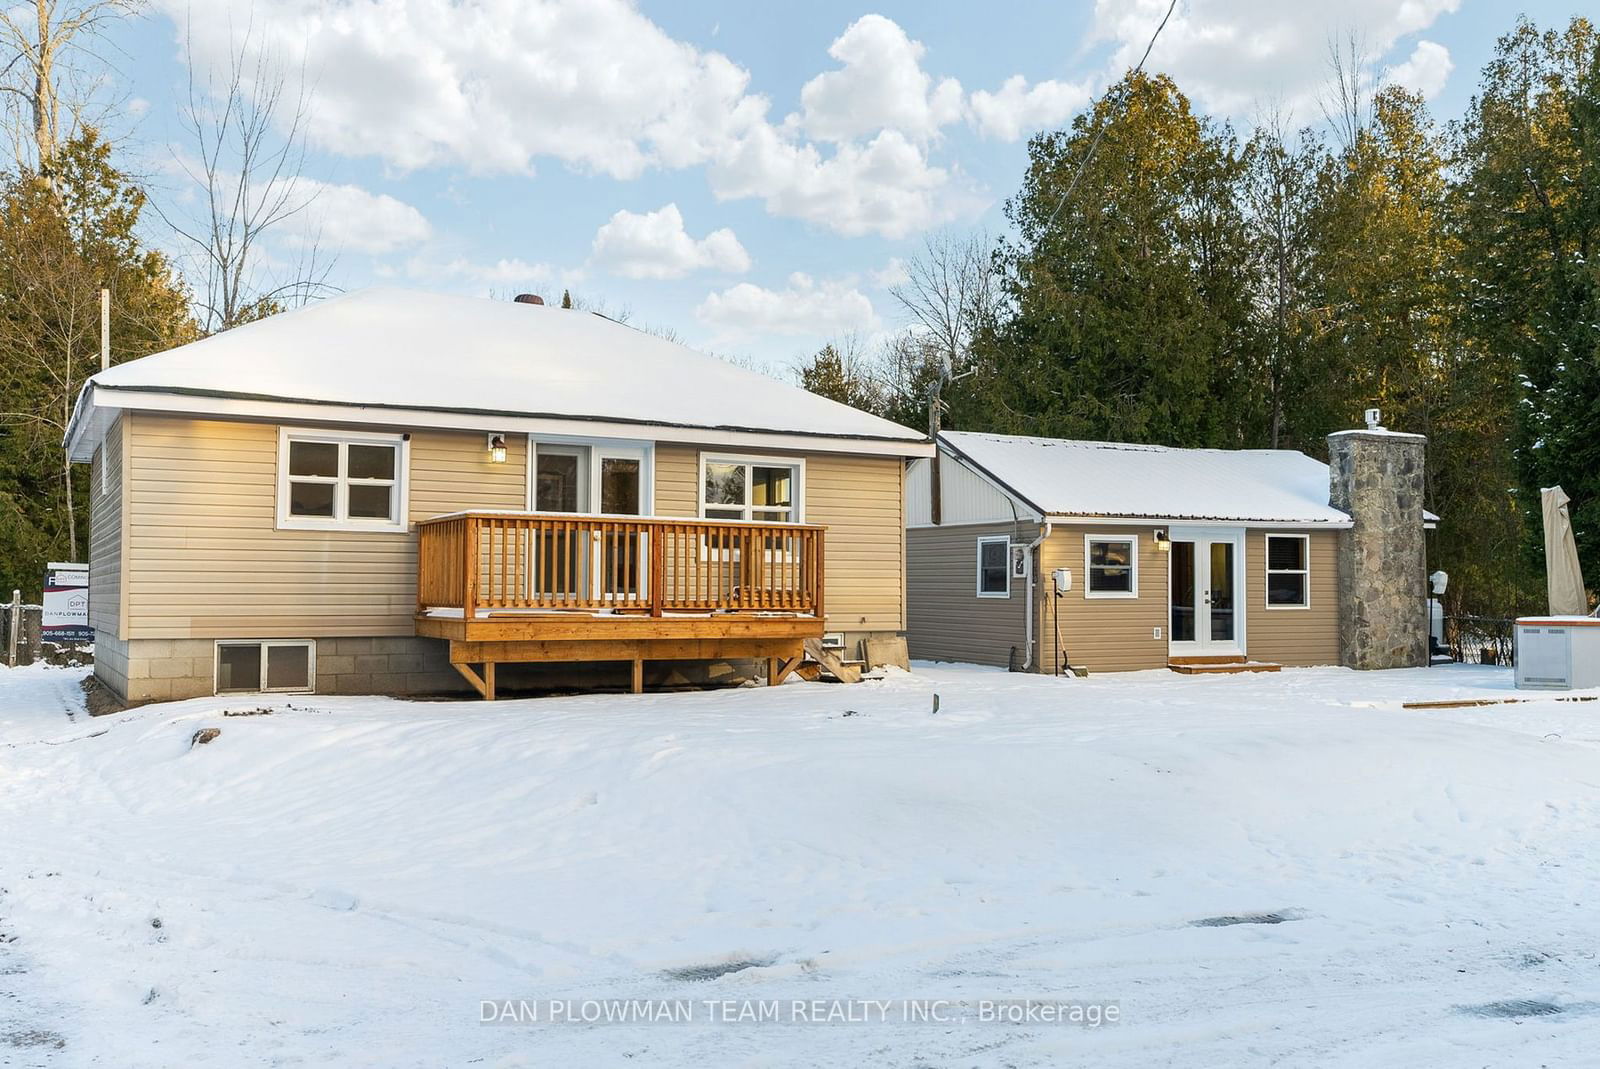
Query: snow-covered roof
{"x": 398, "y": 349}
{"x": 1110, "y": 479}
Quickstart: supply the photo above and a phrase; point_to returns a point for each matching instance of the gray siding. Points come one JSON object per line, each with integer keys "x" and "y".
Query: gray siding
{"x": 947, "y": 619}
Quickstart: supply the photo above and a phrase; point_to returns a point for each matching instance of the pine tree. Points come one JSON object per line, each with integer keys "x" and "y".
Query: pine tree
{"x": 1131, "y": 300}
{"x": 61, "y": 240}
{"x": 1527, "y": 213}
{"x": 838, "y": 372}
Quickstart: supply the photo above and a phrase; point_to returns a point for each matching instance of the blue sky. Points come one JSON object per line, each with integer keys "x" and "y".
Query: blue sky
{"x": 747, "y": 175}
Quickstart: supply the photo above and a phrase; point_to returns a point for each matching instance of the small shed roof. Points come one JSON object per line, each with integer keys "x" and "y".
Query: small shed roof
{"x": 1058, "y": 477}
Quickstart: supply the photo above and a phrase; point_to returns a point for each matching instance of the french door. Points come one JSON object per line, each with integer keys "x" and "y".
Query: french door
{"x": 586, "y": 480}
{"x": 1206, "y": 576}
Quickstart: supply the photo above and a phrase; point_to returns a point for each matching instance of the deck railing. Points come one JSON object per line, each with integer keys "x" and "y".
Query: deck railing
{"x": 485, "y": 561}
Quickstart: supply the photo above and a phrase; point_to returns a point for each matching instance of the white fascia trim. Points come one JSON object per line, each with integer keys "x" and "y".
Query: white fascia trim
{"x": 1067, "y": 519}
{"x": 412, "y": 419}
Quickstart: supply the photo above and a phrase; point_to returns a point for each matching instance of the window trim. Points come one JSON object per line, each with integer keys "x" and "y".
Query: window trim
{"x": 337, "y": 522}
{"x": 1005, "y": 567}
{"x": 100, "y": 462}
{"x": 1133, "y": 559}
{"x": 751, "y": 460}
{"x": 311, "y": 664}
{"x": 1268, "y": 571}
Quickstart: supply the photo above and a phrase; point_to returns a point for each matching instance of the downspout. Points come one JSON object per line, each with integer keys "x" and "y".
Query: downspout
{"x": 1033, "y": 578}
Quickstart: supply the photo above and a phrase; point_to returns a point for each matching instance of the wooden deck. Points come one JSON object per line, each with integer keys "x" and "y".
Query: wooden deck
{"x": 524, "y": 587}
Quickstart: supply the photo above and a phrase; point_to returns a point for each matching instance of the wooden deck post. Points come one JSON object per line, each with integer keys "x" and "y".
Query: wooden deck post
{"x": 658, "y": 570}
{"x": 638, "y": 675}
{"x": 469, "y": 600}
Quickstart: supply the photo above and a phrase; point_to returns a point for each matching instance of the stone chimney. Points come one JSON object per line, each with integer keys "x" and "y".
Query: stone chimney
{"x": 1376, "y": 476}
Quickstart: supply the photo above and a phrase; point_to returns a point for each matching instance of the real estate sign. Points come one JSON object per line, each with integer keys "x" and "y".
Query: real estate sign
{"x": 66, "y": 604}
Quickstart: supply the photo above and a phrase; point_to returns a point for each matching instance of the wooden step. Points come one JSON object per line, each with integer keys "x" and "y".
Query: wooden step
{"x": 832, "y": 663}
{"x": 1222, "y": 667}
{"x": 1209, "y": 658}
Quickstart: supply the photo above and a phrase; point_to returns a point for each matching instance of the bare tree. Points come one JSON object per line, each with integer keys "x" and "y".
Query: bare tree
{"x": 50, "y": 65}
{"x": 948, "y": 295}
{"x": 1347, "y": 100}
{"x": 246, "y": 127}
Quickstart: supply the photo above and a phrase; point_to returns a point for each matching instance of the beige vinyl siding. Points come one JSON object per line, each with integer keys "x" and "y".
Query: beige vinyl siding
{"x": 105, "y": 534}
{"x": 859, "y": 499}
{"x": 1103, "y": 634}
{"x": 1294, "y": 636}
{"x": 205, "y": 560}
{"x": 946, "y": 620}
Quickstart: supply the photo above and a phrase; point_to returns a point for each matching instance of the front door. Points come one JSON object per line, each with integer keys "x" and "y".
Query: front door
{"x": 1207, "y": 603}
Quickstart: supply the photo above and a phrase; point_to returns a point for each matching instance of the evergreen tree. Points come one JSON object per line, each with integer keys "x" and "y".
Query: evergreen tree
{"x": 838, "y": 372}
{"x": 1131, "y": 304}
{"x": 61, "y": 241}
{"x": 1527, "y": 214}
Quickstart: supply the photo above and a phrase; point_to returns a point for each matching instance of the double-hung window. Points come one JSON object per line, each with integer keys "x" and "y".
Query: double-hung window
{"x": 1288, "y": 572}
{"x": 342, "y": 481}
{"x": 994, "y": 560}
{"x": 762, "y": 489}
{"x": 1111, "y": 566}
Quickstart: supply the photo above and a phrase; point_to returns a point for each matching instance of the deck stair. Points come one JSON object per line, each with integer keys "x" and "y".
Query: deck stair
{"x": 821, "y": 661}
{"x": 1219, "y": 664}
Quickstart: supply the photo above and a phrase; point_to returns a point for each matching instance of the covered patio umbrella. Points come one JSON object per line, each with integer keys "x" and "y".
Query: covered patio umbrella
{"x": 1563, "y": 577}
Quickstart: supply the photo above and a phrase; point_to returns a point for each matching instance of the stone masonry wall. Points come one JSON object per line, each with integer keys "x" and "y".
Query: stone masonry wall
{"x": 1377, "y": 477}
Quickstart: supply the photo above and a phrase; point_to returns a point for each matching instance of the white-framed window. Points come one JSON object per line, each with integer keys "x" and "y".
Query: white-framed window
{"x": 1110, "y": 566}
{"x": 759, "y": 489}
{"x": 994, "y": 567}
{"x": 250, "y": 666}
{"x": 1288, "y": 571}
{"x": 341, "y": 480}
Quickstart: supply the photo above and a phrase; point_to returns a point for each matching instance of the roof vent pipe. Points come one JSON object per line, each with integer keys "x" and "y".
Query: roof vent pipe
{"x": 529, "y": 298}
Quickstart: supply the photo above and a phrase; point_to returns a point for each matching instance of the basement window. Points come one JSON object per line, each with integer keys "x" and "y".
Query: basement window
{"x": 1288, "y": 572}
{"x": 284, "y": 666}
{"x": 994, "y": 562}
{"x": 341, "y": 481}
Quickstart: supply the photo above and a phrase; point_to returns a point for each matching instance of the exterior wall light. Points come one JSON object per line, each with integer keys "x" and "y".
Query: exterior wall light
{"x": 497, "y": 449}
{"x": 1163, "y": 543}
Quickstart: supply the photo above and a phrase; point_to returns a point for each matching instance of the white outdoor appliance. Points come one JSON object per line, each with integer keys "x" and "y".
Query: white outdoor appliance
{"x": 1558, "y": 652}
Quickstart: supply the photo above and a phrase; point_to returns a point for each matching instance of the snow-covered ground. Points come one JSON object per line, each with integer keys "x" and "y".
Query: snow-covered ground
{"x": 347, "y": 880}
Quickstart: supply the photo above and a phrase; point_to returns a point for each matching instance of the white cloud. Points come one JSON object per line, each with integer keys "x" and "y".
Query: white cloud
{"x": 346, "y": 218}
{"x": 886, "y": 186}
{"x": 655, "y": 245}
{"x": 1426, "y": 71}
{"x": 441, "y": 269}
{"x": 1016, "y": 109}
{"x": 893, "y": 273}
{"x": 880, "y": 86}
{"x": 806, "y": 308}
{"x": 1230, "y": 55}
{"x": 499, "y": 85}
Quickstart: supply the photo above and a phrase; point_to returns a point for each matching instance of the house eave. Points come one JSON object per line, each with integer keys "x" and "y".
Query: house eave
{"x": 1070, "y": 518}
{"x": 282, "y": 410}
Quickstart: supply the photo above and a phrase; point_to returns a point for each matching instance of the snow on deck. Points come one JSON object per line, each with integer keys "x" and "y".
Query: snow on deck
{"x": 1284, "y": 869}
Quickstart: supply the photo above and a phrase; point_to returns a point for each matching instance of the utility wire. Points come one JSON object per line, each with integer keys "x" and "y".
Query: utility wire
{"x": 1100, "y": 133}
